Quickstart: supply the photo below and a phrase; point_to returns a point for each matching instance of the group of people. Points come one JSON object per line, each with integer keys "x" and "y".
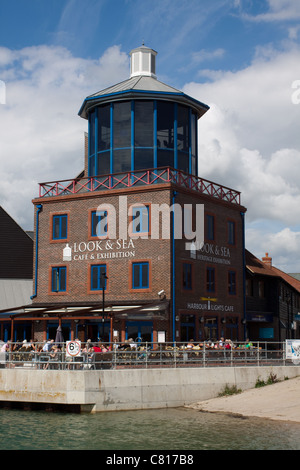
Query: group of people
{"x": 221, "y": 344}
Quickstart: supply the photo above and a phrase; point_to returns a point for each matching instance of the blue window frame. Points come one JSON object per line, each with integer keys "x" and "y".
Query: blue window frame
{"x": 140, "y": 275}
{"x": 231, "y": 282}
{"x": 141, "y": 134}
{"x": 60, "y": 227}
{"x": 59, "y": 279}
{"x": 187, "y": 276}
{"x": 99, "y": 224}
{"x": 98, "y": 277}
{"x": 210, "y": 280}
{"x": 140, "y": 219}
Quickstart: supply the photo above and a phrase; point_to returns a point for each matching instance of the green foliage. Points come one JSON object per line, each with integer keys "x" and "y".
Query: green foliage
{"x": 271, "y": 380}
{"x": 233, "y": 390}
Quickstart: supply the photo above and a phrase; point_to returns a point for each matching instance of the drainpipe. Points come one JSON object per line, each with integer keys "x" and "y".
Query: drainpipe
{"x": 39, "y": 208}
{"x": 173, "y": 266}
{"x": 244, "y": 273}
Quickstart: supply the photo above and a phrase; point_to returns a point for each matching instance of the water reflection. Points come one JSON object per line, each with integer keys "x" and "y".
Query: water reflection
{"x": 167, "y": 429}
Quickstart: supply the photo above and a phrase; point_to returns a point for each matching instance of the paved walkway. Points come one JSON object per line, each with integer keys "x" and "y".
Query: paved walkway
{"x": 279, "y": 401}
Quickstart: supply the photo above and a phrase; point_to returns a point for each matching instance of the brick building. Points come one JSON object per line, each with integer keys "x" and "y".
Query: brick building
{"x": 272, "y": 301}
{"x": 111, "y": 259}
{"x": 16, "y": 254}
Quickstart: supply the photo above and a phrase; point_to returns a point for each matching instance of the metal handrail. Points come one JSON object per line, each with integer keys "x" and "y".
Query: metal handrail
{"x": 144, "y": 355}
{"x": 134, "y": 178}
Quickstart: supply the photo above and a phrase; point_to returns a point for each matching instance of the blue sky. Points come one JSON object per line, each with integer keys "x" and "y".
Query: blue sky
{"x": 241, "y": 57}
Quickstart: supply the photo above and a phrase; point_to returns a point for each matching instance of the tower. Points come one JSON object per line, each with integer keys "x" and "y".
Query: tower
{"x": 141, "y": 123}
{"x": 109, "y": 261}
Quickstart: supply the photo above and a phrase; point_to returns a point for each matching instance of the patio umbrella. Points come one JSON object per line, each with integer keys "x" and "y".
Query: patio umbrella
{"x": 59, "y": 339}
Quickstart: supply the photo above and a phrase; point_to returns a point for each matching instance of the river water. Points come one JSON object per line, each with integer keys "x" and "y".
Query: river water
{"x": 167, "y": 429}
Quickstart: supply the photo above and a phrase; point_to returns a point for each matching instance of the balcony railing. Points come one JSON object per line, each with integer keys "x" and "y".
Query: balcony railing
{"x": 139, "y": 178}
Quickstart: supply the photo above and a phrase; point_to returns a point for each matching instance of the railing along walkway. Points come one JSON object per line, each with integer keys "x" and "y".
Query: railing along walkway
{"x": 144, "y": 355}
{"x": 139, "y": 178}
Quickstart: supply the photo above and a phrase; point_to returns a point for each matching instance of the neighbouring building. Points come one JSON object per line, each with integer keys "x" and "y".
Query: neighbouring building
{"x": 272, "y": 301}
{"x": 118, "y": 249}
{"x": 16, "y": 271}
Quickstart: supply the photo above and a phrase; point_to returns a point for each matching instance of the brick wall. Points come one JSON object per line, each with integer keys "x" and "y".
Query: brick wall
{"x": 216, "y": 253}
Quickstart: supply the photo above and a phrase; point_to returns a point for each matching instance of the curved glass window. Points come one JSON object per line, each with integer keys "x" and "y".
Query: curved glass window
{"x": 143, "y": 124}
{"x": 104, "y": 128}
{"x": 142, "y": 134}
{"x": 122, "y": 125}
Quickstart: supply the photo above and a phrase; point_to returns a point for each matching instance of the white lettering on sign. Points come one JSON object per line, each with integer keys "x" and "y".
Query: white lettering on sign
{"x": 99, "y": 249}
{"x": 214, "y": 254}
{"x": 210, "y": 306}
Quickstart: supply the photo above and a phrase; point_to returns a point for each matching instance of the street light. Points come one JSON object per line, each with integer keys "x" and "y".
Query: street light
{"x": 103, "y": 285}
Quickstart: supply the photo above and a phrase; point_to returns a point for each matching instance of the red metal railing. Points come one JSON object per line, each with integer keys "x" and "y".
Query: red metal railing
{"x": 139, "y": 178}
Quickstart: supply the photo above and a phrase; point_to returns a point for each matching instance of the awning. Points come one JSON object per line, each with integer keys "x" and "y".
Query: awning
{"x": 158, "y": 310}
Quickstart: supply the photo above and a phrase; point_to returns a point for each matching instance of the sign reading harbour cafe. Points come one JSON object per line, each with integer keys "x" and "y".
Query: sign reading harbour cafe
{"x": 98, "y": 250}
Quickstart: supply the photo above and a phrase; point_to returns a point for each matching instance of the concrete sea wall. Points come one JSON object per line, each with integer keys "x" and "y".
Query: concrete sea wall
{"x": 130, "y": 389}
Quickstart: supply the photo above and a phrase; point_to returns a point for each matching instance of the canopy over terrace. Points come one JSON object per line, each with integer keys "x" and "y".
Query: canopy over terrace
{"x": 61, "y": 312}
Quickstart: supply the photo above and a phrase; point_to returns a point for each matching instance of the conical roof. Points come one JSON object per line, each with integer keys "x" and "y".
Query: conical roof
{"x": 142, "y": 84}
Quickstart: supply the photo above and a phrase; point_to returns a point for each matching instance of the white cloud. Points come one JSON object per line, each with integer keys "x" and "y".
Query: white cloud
{"x": 249, "y": 140}
{"x": 41, "y": 134}
{"x": 279, "y": 10}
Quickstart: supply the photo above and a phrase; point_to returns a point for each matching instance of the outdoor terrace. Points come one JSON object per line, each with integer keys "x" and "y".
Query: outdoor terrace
{"x": 139, "y": 178}
{"x": 66, "y": 356}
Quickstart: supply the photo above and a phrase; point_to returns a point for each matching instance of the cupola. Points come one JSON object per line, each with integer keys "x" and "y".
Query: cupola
{"x": 143, "y": 62}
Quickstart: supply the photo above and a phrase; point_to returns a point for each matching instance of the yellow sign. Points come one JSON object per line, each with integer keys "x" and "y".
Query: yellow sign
{"x": 209, "y": 298}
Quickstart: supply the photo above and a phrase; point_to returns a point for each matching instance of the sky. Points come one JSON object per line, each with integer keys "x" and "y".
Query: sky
{"x": 240, "y": 57}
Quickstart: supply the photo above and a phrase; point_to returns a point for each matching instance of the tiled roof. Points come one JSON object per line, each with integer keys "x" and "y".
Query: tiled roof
{"x": 255, "y": 266}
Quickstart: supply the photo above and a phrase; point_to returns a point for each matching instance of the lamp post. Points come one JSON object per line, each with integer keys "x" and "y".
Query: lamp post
{"x": 103, "y": 285}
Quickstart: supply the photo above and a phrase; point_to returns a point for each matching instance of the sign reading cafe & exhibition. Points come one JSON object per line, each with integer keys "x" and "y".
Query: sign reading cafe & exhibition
{"x": 99, "y": 249}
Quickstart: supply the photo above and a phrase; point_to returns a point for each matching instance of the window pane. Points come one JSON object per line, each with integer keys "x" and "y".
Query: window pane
{"x": 103, "y": 163}
{"x": 183, "y": 128}
{"x": 165, "y": 125}
{"x": 99, "y": 223}
{"x": 59, "y": 279}
{"x": 55, "y": 280}
{"x": 140, "y": 216}
{"x": 210, "y": 229}
{"x": 140, "y": 275}
{"x": 122, "y": 161}
{"x": 94, "y": 277}
{"x": 56, "y": 229}
{"x": 183, "y": 162}
{"x": 231, "y": 283}
{"x": 194, "y": 166}
{"x": 97, "y": 277}
{"x": 60, "y": 227}
{"x": 145, "y": 274}
{"x": 136, "y": 276}
{"x": 62, "y": 279}
{"x": 143, "y": 124}
{"x": 210, "y": 280}
{"x": 193, "y": 134}
{"x": 122, "y": 124}
{"x": 231, "y": 233}
{"x": 187, "y": 276}
{"x": 92, "y": 133}
{"x": 143, "y": 159}
{"x": 64, "y": 226}
{"x": 92, "y": 166}
{"x": 104, "y": 127}
{"x": 165, "y": 158}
